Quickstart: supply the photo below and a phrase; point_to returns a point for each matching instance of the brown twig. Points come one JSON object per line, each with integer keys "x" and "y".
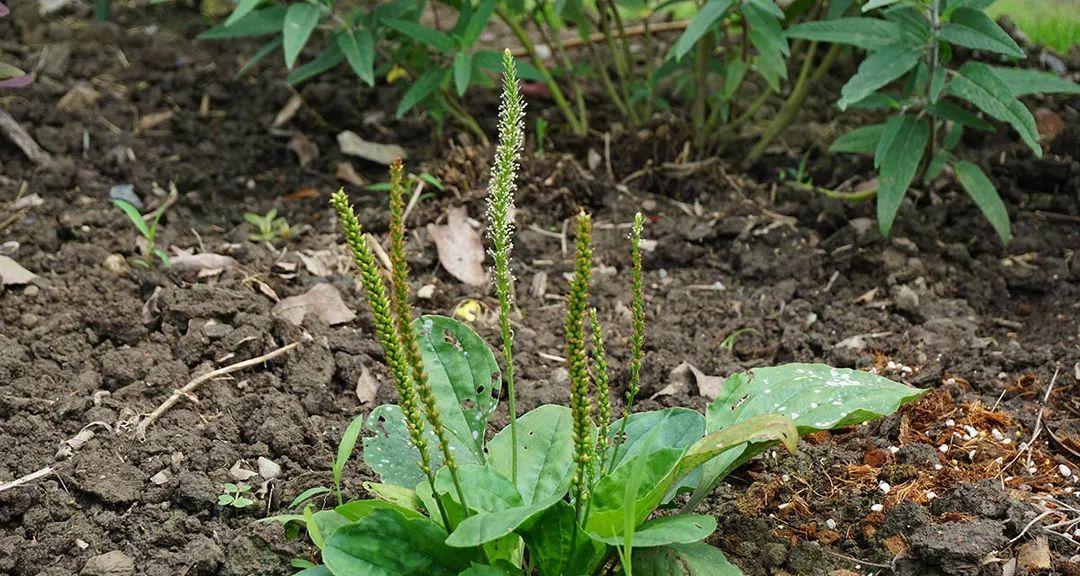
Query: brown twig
{"x": 28, "y": 478}
{"x": 140, "y": 430}
{"x": 596, "y": 37}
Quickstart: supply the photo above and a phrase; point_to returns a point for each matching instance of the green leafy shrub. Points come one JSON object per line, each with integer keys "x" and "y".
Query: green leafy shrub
{"x": 910, "y": 70}
{"x": 561, "y": 489}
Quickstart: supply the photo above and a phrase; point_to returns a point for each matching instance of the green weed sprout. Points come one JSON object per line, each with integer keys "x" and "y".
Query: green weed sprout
{"x": 269, "y": 227}
{"x": 234, "y": 495}
{"x": 148, "y": 230}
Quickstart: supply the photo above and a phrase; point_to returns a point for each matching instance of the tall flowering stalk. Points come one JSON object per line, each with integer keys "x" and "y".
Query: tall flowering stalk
{"x": 386, "y": 330}
{"x": 501, "y": 228}
{"x": 403, "y": 316}
{"x": 577, "y": 362}
{"x": 600, "y": 377}
{"x": 637, "y": 326}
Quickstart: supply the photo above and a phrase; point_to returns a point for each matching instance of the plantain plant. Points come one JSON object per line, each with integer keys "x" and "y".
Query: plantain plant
{"x": 911, "y": 70}
{"x": 562, "y": 490}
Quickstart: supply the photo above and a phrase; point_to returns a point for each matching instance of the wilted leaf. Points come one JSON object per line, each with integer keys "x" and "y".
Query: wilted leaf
{"x": 461, "y": 251}
{"x": 11, "y": 274}
{"x": 353, "y": 145}
{"x": 183, "y": 260}
{"x": 366, "y": 386}
{"x": 346, "y": 173}
{"x": 685, "y": 374}
{"x": 322, "y": 300}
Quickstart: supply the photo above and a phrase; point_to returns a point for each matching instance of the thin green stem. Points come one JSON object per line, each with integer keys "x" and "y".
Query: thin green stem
{"x": 637, "y": 330}
{"x": 464, "y": 118}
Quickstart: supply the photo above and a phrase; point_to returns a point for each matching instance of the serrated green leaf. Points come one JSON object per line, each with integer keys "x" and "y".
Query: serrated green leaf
{"x": 243, "y": 8}
{"x": 709, "y": 14}
{"x": 862, "y": 140}
{"x": 1025, "y": 81}
{"x": 899, "y": 164}
{"x": 429, "y": 37}
{"x": 257, "y": 23}
{"x": 949, "y": 111}
{"x": 421, "y": 89}
{"x": 986, "y": 197}
{"x": 555, "y": 549}
{"x": 386, "y": 543}
{"x": 977, "y": 83}
{"x": 329, "y": 58}
{"x": 359, "y": 49}
{"x": 697, "y": 559}
{"x": 974, "y": 29}
{"x": 545, "y": 452}
{"x": 877, "y": 70}
{"x": 462, "y": 72}
{"x": 345, "y": 447}
{"x": 678, "y": 529}
{"x": 300, "y": 20}
{"x": 866, "y": 33}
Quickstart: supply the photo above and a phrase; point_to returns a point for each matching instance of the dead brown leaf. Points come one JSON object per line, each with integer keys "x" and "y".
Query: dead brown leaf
{"x": 461, "y": 251}
{"x": 288, "y": 111}
{"x": 186, "y": 261}
{"x": 12, "y": 274}
{"x": 306, "y": 150}
{"x": 346, "y": 173}
{"x": 366, "y": 386}
{"x": 353, "y": 145}
{"x": 322, "y": 300}
{"x": 682, "y": 376}
{"x": 1034, "y": 556}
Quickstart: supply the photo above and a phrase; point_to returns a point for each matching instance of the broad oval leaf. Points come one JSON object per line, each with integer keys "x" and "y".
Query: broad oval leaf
{"x": 816, "y": 396}
{"x": 678, "y": 529}
{"x": 877, "y": 70}
{"x": 357, "y": 510}
{"x": 390, "y": 452}
{"x": 394, "y": 494}
{"x": 464, "y": 377}
{"x": 697, "y": 559}
{"x": 977, "y": 83}
{"x": 555, "y": 549}
{"x": 387, "y": 543}
{"x": 300, "y": 20}
{"x": 638, "y": 485}
{"x": 763, "y": 429}
{"x": 545, "y": 452}
{"x": 485, "y": 489}
{"x": 866, "y": 33}
{"x": 669, "y": 428}
{"x": 486, "y": 527}
{"x": 986, "y": 197}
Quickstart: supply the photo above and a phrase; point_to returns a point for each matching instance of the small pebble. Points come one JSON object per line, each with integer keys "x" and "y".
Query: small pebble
{"x": 944, "y": 448}
{"x": 930, "y": 494}
{"x": 831, "y": 524}
{"x": 997, "y": 434}
{"x": 877, "y": 508}
{"x": 884, "y": 487}
{"x": 972, "y": 432}
{"x": 894, "y": 449}
{"x": 950, "y": 422}
{"x": 1064, "y": 470}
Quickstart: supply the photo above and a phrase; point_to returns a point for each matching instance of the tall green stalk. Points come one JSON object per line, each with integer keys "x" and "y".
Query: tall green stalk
{"x": 387, "y": 333}
{"x": 403, "y": 316}
{"x": 500, "y": 215}
{"x": 637, "y": 326}
{"x": 577, "y": 363}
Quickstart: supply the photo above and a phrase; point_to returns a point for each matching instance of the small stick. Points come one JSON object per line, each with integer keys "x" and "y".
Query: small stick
{"x": 412, "y": 200}
{"x": 140, "y": 430}
{"x": 28, "y": 478}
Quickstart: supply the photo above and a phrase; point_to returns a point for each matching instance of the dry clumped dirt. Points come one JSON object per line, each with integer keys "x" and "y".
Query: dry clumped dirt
{"x": 946, "y": 487}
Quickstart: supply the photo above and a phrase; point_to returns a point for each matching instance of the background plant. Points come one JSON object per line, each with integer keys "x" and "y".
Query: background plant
{"x": 564, "y": 490}
{"x": 11, "y": 76}
{"x": 235, "y": 495}
{"x": 148, "y": 229}
{"x": 268, "y": 227}
{"x": 911, "y": 70}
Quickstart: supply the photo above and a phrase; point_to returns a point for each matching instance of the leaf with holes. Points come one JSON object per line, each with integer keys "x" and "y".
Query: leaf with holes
{"x": 816, "y": 396}
{"x": 545, "y": 452}
{"x": 390, "y": 453}
{"x": 464, "y": 377}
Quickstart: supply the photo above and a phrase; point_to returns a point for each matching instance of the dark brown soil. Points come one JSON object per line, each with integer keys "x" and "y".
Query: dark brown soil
{"x": 940, "y": 305}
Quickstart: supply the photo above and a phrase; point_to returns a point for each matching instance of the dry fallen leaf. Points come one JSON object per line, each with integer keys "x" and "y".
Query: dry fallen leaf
{"x": 324, "y": 263}
{"x": 288, "y": 111}
{"x": 461, "y": 251}
{"x": 680, "y": 378}
{"x": 11, "y": 274}
{"x": 155, "y": 119}
{"x": 306, "y": 150}
{"x": 346, "y": 173}
{"x": 366, "y": 386}
{"x": 186, "y": 261}
{"x": 1034, "y": 556}
{"x": 322, "y": 300}
{"x": 239, "y": 473}
{"x": 353, "y": 145}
